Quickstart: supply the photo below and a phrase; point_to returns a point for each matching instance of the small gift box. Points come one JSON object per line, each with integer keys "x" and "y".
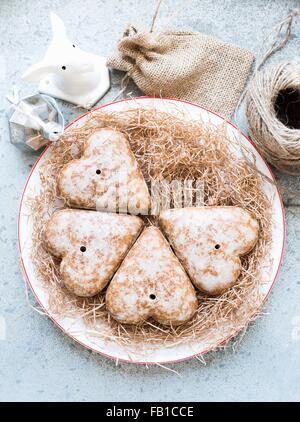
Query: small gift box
{"x": 34, "y": 121}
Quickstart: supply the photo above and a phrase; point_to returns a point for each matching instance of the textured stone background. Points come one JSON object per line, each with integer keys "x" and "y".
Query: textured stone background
{"x": 37, "y": 362}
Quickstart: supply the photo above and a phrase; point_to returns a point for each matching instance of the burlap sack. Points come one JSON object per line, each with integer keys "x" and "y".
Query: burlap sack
{"x": 187, "y": 65}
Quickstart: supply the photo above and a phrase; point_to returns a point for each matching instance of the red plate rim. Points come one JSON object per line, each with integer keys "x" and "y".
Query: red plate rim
{"x": 203, "y": 352}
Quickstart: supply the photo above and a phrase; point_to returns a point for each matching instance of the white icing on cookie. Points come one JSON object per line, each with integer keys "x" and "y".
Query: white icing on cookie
{"x": 209, "y": 241}
{"x": 91, "y": 246}
{"x": 151, "y": 283}
{"x": 106, "y": 177}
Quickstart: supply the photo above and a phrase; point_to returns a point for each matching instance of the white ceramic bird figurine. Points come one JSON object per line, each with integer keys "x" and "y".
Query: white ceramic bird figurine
{"x": 69, "y": 73}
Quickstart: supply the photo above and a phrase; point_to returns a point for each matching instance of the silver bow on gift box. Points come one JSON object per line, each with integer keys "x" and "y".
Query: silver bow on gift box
{"x": 34, "y": 121}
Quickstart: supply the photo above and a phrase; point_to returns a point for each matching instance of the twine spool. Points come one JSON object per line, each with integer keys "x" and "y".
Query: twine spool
{"x": 273, "y": 114}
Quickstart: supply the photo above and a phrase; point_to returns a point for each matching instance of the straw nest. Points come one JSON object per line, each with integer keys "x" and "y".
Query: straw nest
{"x": 166, "y": 147}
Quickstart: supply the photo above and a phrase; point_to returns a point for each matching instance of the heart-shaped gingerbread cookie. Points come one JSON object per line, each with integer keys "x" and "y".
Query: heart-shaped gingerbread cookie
{"x": 151, "y": 283}
{"x": 209, "y": 242}
{"x": 106, "y": 177}
{"x": 91, "y": 246}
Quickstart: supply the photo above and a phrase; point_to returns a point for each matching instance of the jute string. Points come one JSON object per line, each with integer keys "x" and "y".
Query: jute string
{"x": 278, "y": 142}
{"x": 277, "y": 44}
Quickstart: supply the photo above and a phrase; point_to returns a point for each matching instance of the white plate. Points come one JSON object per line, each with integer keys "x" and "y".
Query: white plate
{"x": 72, "y": 326}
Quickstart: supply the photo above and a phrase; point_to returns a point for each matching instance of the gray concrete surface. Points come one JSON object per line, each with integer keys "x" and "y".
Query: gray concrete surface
{"x": 37, "y": 362}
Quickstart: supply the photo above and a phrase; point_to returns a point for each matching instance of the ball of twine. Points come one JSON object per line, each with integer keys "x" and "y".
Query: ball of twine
{"x": 271, "y": 129}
